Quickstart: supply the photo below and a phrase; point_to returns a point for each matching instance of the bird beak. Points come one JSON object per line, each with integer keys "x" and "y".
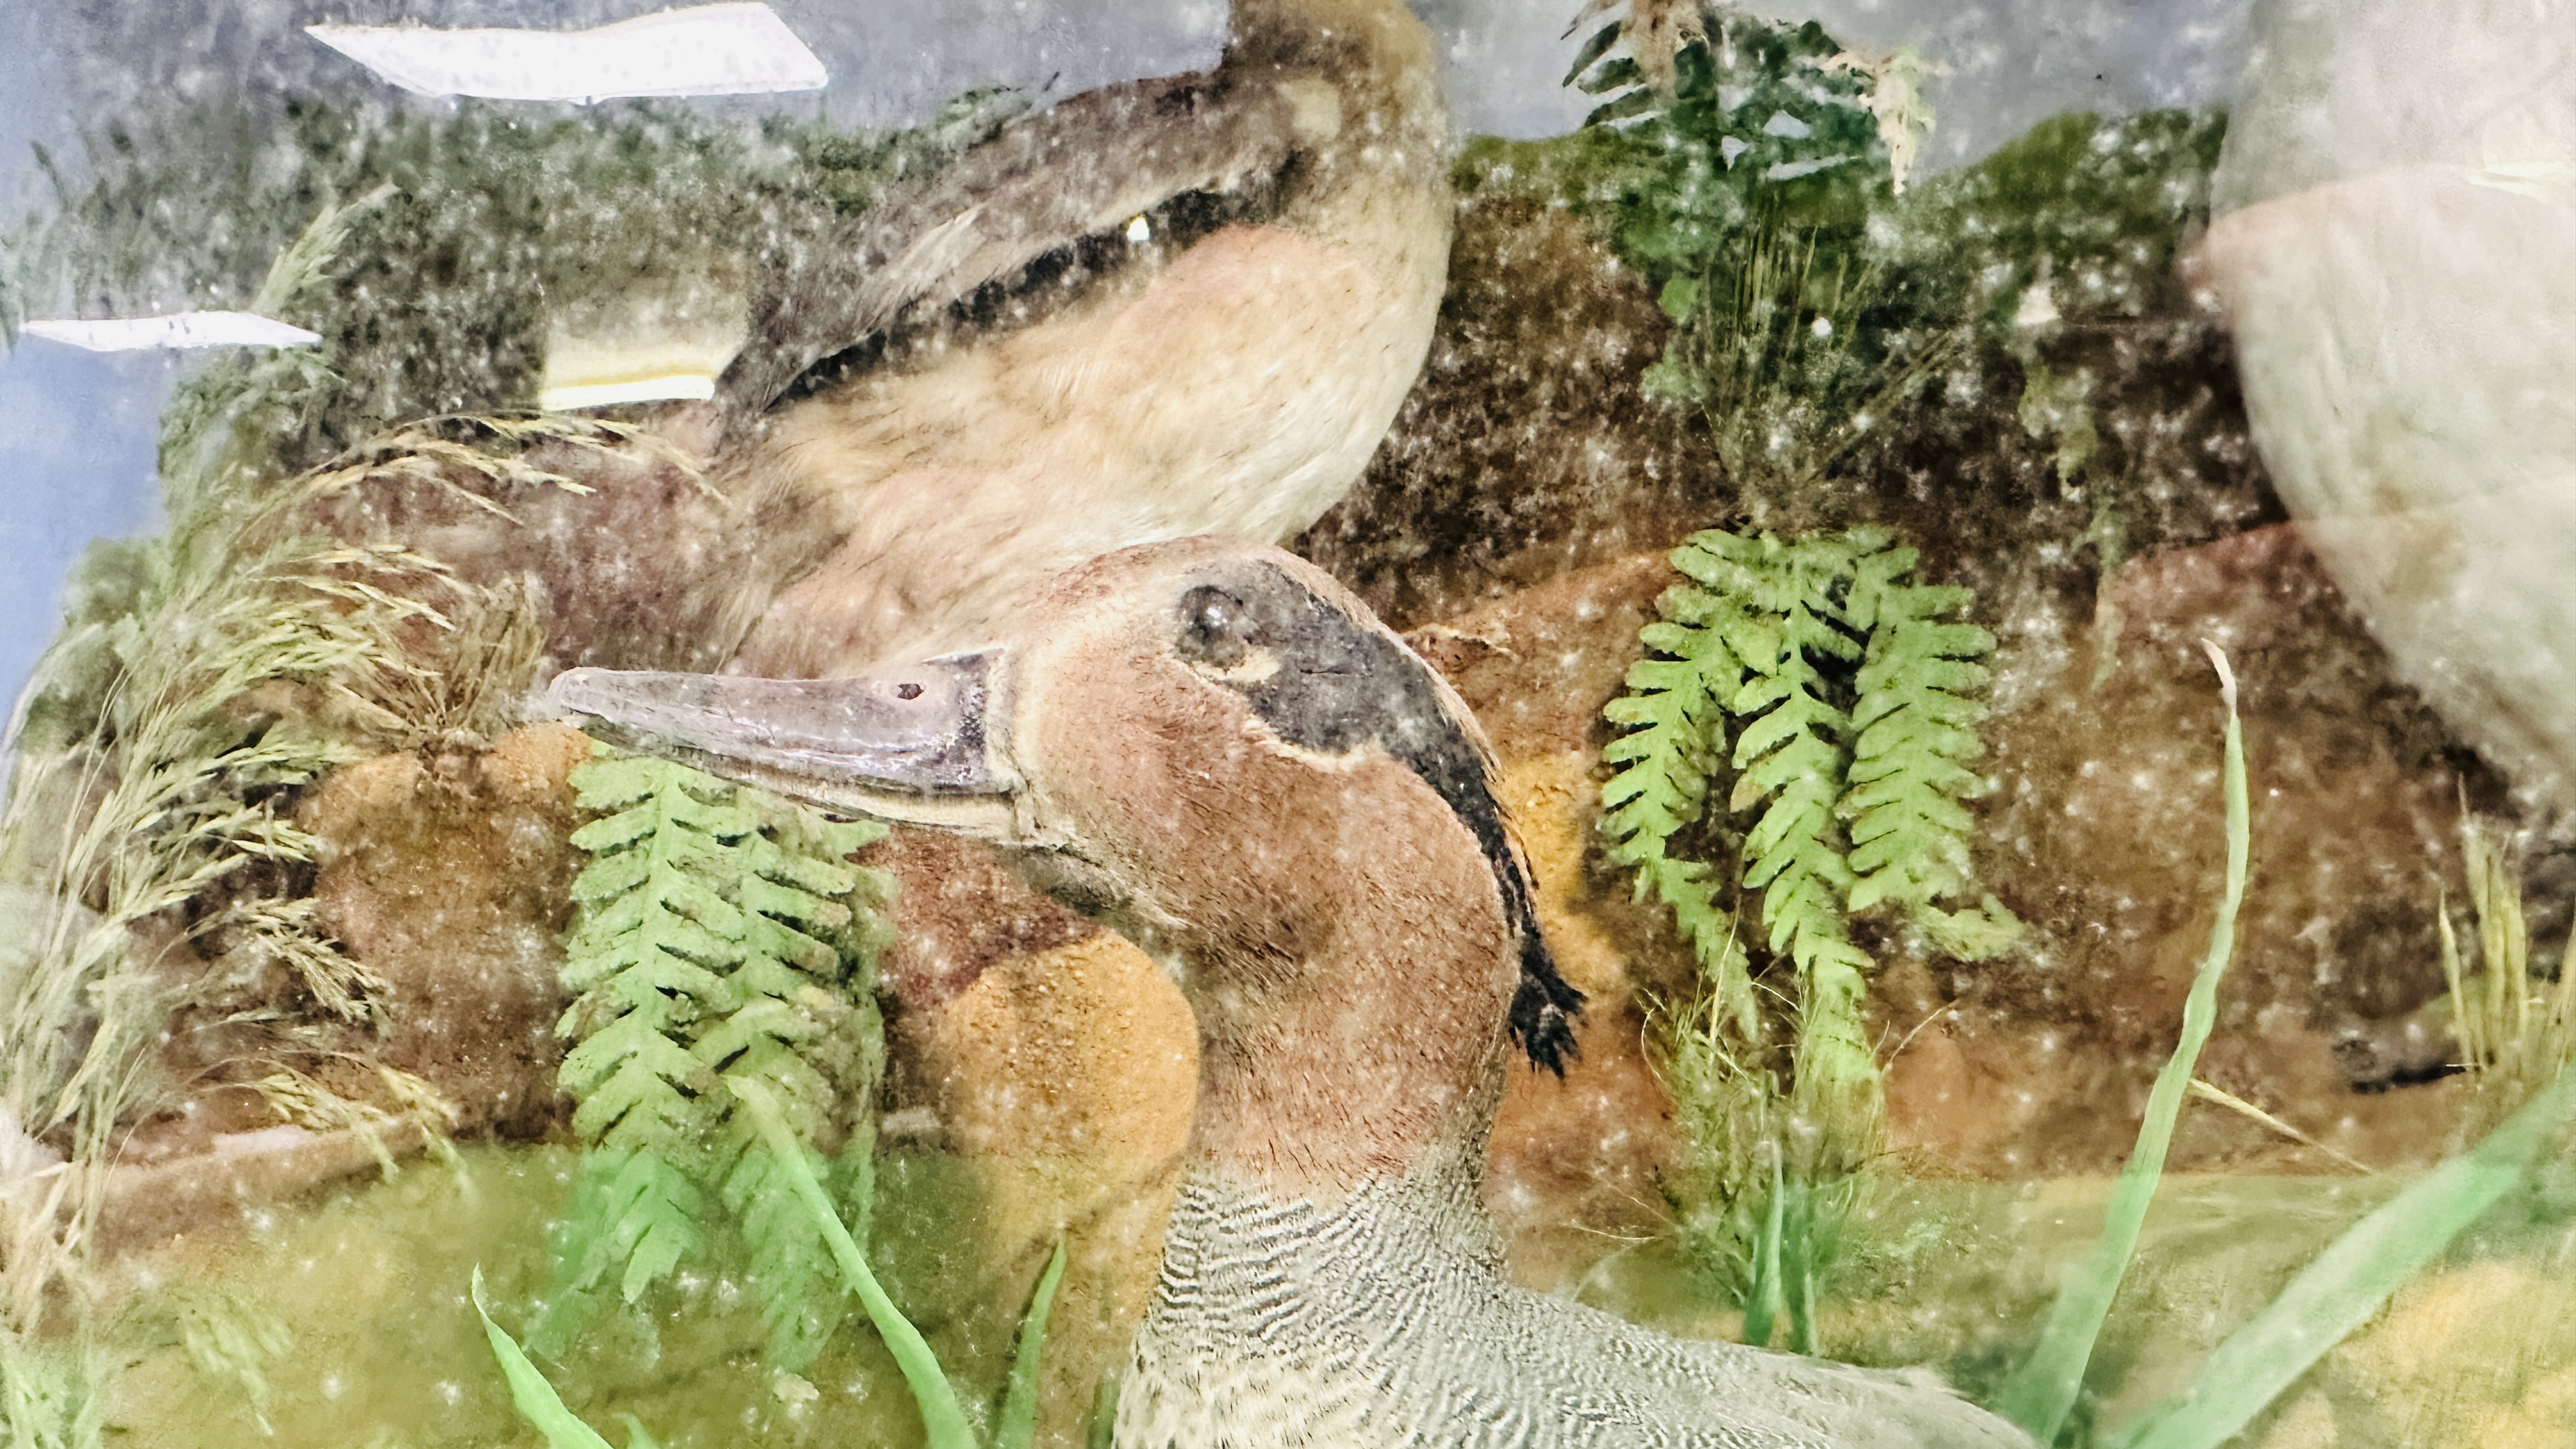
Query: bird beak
{"x": 915, "y": 745}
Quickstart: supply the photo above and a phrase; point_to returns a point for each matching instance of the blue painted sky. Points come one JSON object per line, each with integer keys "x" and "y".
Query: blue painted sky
{"x": 76, "y": 431}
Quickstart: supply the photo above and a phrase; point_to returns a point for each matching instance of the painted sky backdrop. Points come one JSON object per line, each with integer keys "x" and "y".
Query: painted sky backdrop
{"x": 76, "y": 431}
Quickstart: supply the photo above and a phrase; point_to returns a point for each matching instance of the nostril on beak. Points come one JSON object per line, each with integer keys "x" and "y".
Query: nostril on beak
{"x": 907, "y": 690}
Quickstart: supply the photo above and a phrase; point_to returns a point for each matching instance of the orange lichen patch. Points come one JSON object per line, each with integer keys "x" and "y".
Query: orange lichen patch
{"x": 1065, "y": 1080}
{"x": 448, "y": 874}
{"x": 2480, "y": 1354}
{"x": 1083, "y": 1052}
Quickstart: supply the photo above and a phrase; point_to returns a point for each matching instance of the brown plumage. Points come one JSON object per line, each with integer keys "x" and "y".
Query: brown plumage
{"x": 1158, "y": 309}
{"x": 1217, "y": 749}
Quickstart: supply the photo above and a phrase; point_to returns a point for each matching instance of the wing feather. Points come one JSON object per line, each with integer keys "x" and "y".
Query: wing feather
{"x": 1081, "y": 169}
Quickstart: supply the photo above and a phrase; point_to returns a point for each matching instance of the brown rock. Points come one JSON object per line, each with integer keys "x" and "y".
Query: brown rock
{"x": 448, "y": 874}
{"x": 1063, "y": 1080}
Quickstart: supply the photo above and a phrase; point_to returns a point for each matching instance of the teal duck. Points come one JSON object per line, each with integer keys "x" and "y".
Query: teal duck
{"x": 1216, "y": 749}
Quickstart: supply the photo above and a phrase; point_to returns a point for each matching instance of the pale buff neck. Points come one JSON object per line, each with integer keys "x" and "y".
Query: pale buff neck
{"x": 1379, "y": 36}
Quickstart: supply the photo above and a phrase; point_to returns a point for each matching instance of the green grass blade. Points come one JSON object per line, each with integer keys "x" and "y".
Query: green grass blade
{"x": 2349, "y": 1281}
{"x": 529, "y": 1390}
{"x": 941, "y": 1415}
{"x": 2041, "y": 1393}
{"x": 1019, "y": 1424}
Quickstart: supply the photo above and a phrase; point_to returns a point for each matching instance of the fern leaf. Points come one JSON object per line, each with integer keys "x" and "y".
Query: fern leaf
{"x": 716, "y": 924}
{"x": 1690, "y": 890}
{"x": 791, "y": 1270}
{"x": 791, "y": 1265}
{"x": 634, "y": 1216}
{"x": 1918, "y": 713}
{"x": 765, "y": 1022}
{"x": 1675, "y": 720}
{"x": 1836, "y": 1071}
{"x": 637, "y": 1034}
{"x": 638, "y": 1105}
{"x": 1672, "y": 712}
{"x": 656, "y": 1228}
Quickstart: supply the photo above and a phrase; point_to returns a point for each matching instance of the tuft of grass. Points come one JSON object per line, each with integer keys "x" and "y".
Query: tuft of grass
{"x": 2351, "y": 1280}
{"x": 2042, "y": 1392}
{"x": 2516, "y": 1031}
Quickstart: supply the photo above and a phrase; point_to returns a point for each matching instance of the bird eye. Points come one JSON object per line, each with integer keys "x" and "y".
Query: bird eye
{"x": 1214, "y": 630}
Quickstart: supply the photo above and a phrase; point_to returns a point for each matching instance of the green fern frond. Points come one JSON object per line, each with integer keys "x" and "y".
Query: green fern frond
{"x": 1792, "y": 755}
{"x": 722, "y": 938}
{"x": 633, "y": 1218}
{"x": 1808, "y": 694}
{"x": 1918, "y": 708}
{"x": 1675, "y": 720}
{"x": 791, "y": 1269}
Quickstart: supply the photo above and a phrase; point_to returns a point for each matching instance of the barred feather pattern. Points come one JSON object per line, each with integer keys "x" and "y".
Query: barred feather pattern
{"x": 1383, "y": 1320}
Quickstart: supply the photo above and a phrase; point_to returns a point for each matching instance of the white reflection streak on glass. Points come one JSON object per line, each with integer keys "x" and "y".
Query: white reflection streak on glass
{"x": 705, "y": 50}
{"x": 176, "y": 329}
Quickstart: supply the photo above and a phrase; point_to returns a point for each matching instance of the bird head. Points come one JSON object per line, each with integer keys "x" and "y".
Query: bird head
{"x": 1208, "y": 744}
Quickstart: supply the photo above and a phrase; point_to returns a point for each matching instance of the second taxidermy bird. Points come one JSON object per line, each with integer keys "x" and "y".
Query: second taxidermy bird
{"x": 1157, "y": 309}
{"x": 1154, "y": 309}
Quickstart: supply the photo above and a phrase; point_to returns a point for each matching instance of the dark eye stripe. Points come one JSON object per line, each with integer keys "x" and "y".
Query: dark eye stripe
{"x": 1343, "y": 685}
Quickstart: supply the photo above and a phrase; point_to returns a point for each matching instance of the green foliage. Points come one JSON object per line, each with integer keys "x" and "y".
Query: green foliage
{"x": 1756, "y": 176}
{"x": 1808, "y": 707}
{"x": 2097, "y": 207}
{"x": 2344, "y": 1286}
{"x": 1754, "y": 1214}
{"x": 152, "y": 787}
{"x": 1017, "y": 1426}
{"x": 461, "y": 232}
{"x": 798, "y": 1190}
{"x": 943, "y": 1418}
{"x": 2042, "y": 1392}
{"x": 1753, "y": 199}
{"x": 2516, "y": 1030}
{"x": 721, "y": 938}
{"x": 50, "y": 1393}
{"x": 2348, "y": 1283}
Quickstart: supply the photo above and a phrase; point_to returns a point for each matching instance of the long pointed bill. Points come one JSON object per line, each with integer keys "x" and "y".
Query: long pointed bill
{"x": 914, "y": 745}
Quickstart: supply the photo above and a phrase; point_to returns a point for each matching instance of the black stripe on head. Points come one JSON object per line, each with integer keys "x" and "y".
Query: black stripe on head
{"x": 1337, "y": 685}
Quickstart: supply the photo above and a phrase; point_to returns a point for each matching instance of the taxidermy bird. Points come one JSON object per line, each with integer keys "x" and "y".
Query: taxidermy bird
{"x": 2393, "y": 242}
{"x": 1157, "y": 309}
{"x": 1214, "y": 747}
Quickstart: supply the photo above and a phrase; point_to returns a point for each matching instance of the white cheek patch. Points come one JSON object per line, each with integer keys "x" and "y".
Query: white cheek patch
{"x": 1269, "y": 742}
{"x": 1259, "y": 664}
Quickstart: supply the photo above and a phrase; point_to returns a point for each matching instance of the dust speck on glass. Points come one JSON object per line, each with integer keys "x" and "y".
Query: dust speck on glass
{"x": 1288, "y": 722}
